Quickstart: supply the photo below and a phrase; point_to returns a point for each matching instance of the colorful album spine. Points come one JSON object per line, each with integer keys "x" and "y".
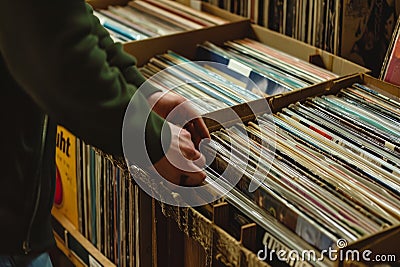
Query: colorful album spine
{"x": 92, "y": 188}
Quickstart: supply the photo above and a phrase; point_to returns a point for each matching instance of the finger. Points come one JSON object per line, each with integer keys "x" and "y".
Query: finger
{"x": 194, "y": 117}
{"x": 194, "y": 135}
{"x": 183, "y": 179}
{"x": 193, "y": 178}
{"x": 187, "y": 146}
{"x": 191, "y": 174}
{"x": 191, "y": 154}
{"x": 200, "y": 162}
{"x": 164, "y": 169}
{"x": 201, "y": 128}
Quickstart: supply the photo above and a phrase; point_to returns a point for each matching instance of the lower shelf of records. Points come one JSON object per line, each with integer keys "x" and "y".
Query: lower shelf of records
{"x": 315, "y": 183}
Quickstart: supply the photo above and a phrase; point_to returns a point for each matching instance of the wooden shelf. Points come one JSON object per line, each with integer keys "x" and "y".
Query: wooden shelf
{"x": 75, "y": 246}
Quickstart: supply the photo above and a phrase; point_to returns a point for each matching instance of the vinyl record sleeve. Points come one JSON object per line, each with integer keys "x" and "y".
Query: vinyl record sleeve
{"x": 241, "y": 70}
{"x": 205, "y": 16}
{"x": 391, "y": 66}
{"x": 145, "y": 21}
{"x": 68, "y": 165}
{"x": 116, "y": 15}
{"x": 153, "y": 10}
{"x": 367, "y": 28}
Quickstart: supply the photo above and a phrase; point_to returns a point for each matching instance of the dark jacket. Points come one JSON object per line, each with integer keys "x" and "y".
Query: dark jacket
{"x": 56, "y": 59}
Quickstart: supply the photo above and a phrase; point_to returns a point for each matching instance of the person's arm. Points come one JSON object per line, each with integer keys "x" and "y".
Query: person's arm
{"x": 162, "y": 103}
{"x": 117, "y": 57}
{"x": 52, "y": 50}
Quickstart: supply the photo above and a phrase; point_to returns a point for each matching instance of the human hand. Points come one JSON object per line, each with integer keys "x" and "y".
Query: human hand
{"x": 178, "y": 110}
{"x": 182, "y": 164}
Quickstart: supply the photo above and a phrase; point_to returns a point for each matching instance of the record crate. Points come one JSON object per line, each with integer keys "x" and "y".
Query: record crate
{"x": 384, "y": 242}
{"x": 205, "y": 237}
{"x": 185, "y": 44}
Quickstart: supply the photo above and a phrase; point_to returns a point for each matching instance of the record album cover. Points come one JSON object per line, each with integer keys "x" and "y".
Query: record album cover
{"x": 367, "y": 28}
{"x": 391, "y": 67}
{"x": 65, "y": 200}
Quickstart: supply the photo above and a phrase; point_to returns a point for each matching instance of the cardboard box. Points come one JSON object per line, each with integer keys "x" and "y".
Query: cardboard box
{"x": 185, "y": 44}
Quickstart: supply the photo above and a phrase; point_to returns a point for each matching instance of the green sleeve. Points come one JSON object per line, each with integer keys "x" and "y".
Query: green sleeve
{"x": 53, "y": 51}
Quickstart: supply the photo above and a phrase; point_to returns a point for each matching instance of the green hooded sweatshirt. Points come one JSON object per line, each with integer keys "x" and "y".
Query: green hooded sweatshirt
{"x": 56, "y": 59}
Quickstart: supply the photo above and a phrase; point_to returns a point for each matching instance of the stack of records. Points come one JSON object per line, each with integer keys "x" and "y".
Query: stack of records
{"x": 207, "y": 90}
{"x": 241, "y": 71}
{"x": 328, "y": 169}
{"x": 273, "y": 71}
{"x": 142, "y": 19}
{"x": 107, "y": 205}
{"x": 314, "y": 22}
